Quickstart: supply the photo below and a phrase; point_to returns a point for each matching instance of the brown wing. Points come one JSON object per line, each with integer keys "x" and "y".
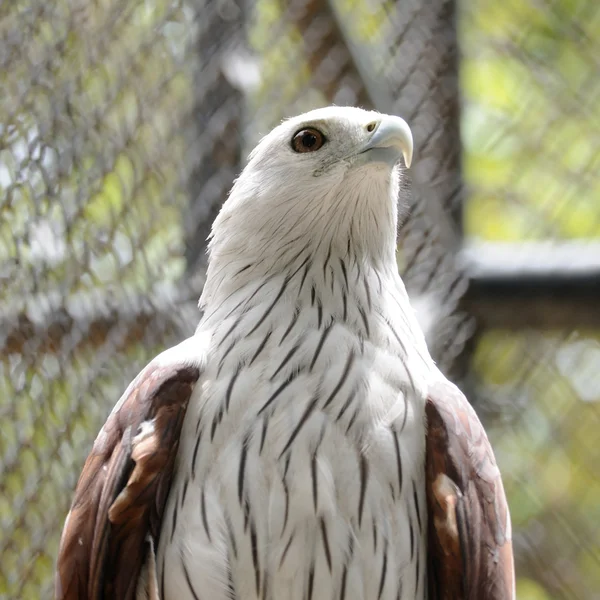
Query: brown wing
{"x": 470, "y": 547}
{"x": 122, "y": 490}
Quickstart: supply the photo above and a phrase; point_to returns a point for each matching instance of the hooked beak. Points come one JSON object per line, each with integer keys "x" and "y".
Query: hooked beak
{"x": 391, "y": 139}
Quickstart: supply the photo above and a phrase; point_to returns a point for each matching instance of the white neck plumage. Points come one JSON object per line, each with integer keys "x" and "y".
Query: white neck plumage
{"x": 336, "y": 241}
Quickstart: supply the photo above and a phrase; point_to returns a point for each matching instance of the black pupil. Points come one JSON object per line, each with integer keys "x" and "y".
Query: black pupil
{"x": 309, "y": 140}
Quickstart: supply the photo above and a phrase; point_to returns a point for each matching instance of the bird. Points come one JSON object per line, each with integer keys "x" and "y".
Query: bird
{"x": 302, "y": 443}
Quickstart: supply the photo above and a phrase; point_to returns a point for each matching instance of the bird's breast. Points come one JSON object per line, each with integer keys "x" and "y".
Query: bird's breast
{"x": 301, "y": 468}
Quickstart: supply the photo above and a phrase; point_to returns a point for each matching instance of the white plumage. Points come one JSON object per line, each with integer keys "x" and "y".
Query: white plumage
{"x": 300, "y": 472}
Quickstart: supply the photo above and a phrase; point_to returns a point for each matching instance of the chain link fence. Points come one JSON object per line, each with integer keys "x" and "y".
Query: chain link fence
{"x": 122, "y": 126}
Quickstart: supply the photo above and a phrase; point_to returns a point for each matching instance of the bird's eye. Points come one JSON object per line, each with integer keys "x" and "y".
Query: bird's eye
{"x": 307, "y": 140}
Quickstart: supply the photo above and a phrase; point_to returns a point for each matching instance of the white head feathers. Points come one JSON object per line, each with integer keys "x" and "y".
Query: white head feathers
{"x": 324, "y": 179}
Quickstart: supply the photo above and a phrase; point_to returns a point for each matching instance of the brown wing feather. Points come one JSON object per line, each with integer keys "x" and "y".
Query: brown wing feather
{"x": 123, "y": 487}
{"x": 470, "y": 547}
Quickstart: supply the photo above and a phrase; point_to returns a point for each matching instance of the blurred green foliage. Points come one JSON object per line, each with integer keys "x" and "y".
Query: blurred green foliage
{"x": 93, "y": 165}
{"x": 531, "y": 143}
{"x": 541, "y": 403}
{"x": 93, "y": 176}
{"x": 531, "y": 118}
{"x": 52, "y": 408}
{"x": 93, "y": 156}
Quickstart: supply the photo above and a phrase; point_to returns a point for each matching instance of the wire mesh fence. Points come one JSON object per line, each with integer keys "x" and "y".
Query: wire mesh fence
{"x": 122, "y": 126}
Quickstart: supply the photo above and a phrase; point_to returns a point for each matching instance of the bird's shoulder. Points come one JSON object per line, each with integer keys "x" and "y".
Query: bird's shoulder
{"x": 123, "y": 487}
{"x": 470, "y": 547}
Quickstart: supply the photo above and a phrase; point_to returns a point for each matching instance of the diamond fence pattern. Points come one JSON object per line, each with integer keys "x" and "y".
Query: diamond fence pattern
{"x": 122, "y": 126}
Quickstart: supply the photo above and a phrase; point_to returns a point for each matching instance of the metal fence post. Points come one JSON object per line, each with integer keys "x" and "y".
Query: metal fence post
{"x": 216, "y": 132}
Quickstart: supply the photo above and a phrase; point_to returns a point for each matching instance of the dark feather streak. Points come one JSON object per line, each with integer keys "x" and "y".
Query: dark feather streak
{"x": 231, "y": 537}
{"x": 327, "y": 260}
{"x": 261, "y": 347}
{"x": 216, "y": 422}
{"x": 290, "y": 326}
{"x": 367, "y": 293}
{"x": 271, "y": 306}
{"x": 343, "y": 584}
{"x": 352, "y": 419}
{"x": 348, "y": 402}
{"x": 364, "y": 477}
{"x": 311, "y": 581}
{"x": 322, "y": 339}
{"x": 243, "y": 269}
{"x": 263, "y": 433}
{"x": 230, "y": 387}
{"x": 285, "y": 360}
{"x": 306, "y": 270}
{"x": 286, "y": 511}
{"x": 344, "y": 272}
{"x": 278, "y": 391}
{"x": 305, "y": 415}
{"x": 287, "y": 547}
{"x": 242, "y": 469}
{"x": 174, "y": 521}
{"x": 365, "y": 321}
{"x": 314, "y": 478}
{"x": 195, "y": 455}
{"x": 325, "y": 538}
{"x": 204, "y": 515}
{"x": 254, "y": 548}
{"x": 398, "y": 460}
{"x": 383, "y": 569}
{"x": 417, "y": 509}
{"x": 374, "y": 536}
{"x": 188, "y": 579}
{"x": 302, "y": 264}
{"x": 342, "y": 379}
{"x": 225, "y": 355}
{"x": 231, "y": 329}
{"x": 319, "y": 314}
{"x": 185, "y": 489}
{"x": 246, "y": 514}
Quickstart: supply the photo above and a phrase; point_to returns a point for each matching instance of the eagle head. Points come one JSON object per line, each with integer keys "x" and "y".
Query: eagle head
{"x": 327, "y": 180}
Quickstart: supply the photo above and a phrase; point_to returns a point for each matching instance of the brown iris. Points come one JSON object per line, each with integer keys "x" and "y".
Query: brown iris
{"x": 307, "y": 140}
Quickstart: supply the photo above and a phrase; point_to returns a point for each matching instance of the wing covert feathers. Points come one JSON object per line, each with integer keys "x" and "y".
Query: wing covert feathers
{"x": 122, "y": 490}
{"x": 470, "y": 547}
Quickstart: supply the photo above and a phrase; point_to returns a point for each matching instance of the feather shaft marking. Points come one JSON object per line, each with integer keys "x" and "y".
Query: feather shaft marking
{"x": 204, "y": 515}
{"x": 290, "y": 326}
{"x": 285, "y": 361}
{"x": 383, "y": 570}
{"x": 287, "y": 547}
{"x": 348, "y": 402}
{"x": 364, "y": 476}
{"x": 398, "y": 460}
{"x": 230, "y": 387}
{"x": 260, "y": 348}
{"x": 325, "y": 539}
{"x": 311, "y": 580}
{"x": 416, "y": 501}
{"x": 188, "y": 579}
{"x": 305, "y": 415}
{"x": 270, "y": 308}
{"x": 255, "y": 562}
{"x": 278, "y": 391}
{"x": 322, "y": 339}
{"x": 314, "y": 478}
{"x": 342, "y": 380}
{"x": 242, "y": 469}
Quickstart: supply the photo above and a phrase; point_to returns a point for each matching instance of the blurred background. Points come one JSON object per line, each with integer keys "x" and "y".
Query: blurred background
{"x": 122, "y": 126}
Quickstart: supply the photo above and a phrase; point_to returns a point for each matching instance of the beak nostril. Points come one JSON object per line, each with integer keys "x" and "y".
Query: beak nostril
{"x": 371, "y": 126}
